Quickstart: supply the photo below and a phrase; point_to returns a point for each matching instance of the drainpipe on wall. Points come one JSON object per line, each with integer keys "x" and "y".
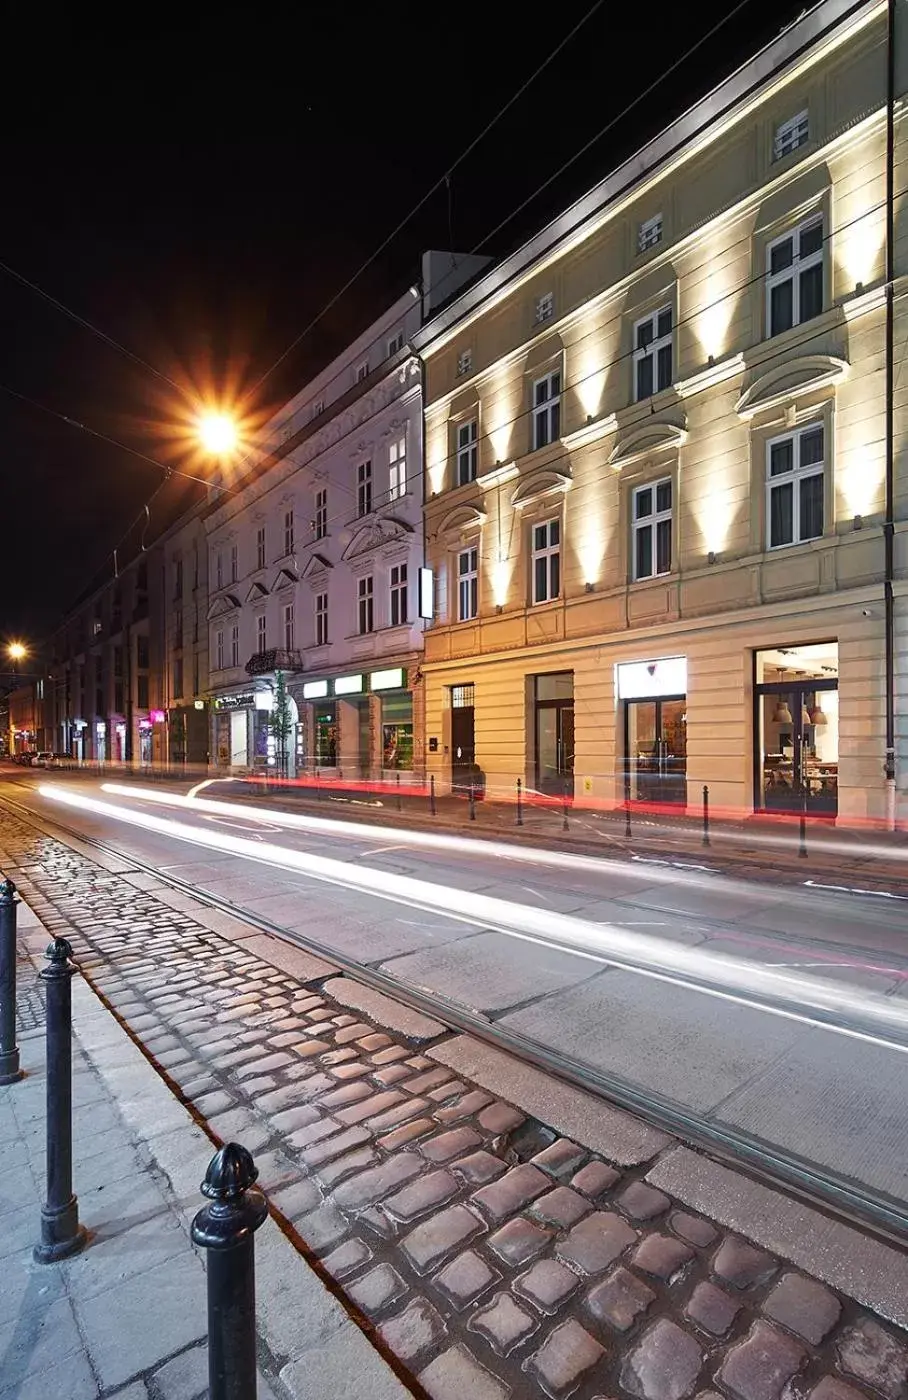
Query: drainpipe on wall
{"x": 889, "y": 522}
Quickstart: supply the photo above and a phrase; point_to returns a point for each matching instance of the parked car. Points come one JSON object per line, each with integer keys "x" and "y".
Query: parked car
{"x": 43, "y": 759}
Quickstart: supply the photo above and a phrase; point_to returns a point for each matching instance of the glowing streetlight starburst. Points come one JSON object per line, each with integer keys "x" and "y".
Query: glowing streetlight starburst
{"x": 16, "y": 651}
{"x": 218, "y": 433}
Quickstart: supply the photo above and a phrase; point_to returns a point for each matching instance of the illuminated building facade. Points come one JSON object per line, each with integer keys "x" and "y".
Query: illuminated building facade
{"x": 660, "y": 475}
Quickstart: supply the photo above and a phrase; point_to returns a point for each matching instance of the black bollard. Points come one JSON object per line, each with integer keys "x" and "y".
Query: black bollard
{"x": 61, "y": 1233}
{"x": 627, "y": 805}
{"x": 472, "y": 804}
{"x": 705, "y": 815}
{"x": 802, "y": 825}
{"x": 432, "y": 795}
{"x": 564, "y": 807}
{"x": 519, "y": 802}
{"x": 226, "y": 1228}
{"x": 318, "y": 791}
{"x": 9, "y": 1050}
{"x": 398, "y": 793}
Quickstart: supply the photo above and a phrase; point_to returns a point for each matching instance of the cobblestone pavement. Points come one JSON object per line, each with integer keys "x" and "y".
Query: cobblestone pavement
{"x": 29, "y": 998}
{"x": 493, "y": 1258}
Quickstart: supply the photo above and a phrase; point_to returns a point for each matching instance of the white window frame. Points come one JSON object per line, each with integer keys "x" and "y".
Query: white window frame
{"x": 289, "y": 531}
{"x": 547, "y": 411}
{"x": 468, "y": 583}
{"x": 321, "y": 513}
{"x": 219, "y": 649}
{"x": 467, "y": 439}
{"x": 362, "y": 371}
{"x": 364, "y": 487}
{"x": 287, "y": 620}
{"x": 219, "y": 569}
{"x": 397, "y": 468}
{"x": 260, "y": 556}
{"x": 261, "y": 633}
{"x": 796, "y": 477}
{"x": 649, "y": 524}
{"x": 235, "y": 644}
{"x": 649, "y": 234}
{"x": 398, "y": 595}
{"x": 650, "y": 351}
{"x": 395, "y": 343}
{"x": 318, "y": 408}
{"x": 365, "y": 600}
{"x": 550, "y": 552}
{"x": 794, "y": 271}
{"x": 321, "y": 619}
{"x": 790, "y": 135}
{"x": 464, "y": 362}
{"x": 544, "y": 309}
{"x": 234, "y": 563}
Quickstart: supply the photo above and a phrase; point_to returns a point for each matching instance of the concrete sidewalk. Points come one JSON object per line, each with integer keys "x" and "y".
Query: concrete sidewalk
{"x": 127, "y": 1317}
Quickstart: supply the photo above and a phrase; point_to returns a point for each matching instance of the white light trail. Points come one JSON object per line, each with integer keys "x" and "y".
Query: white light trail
{"x": 638, "y": 952}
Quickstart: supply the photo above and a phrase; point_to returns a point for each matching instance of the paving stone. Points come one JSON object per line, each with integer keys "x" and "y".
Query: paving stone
{"x": 466, "y": 1278}
{"x": 564, "y": 1358}
{"x": 663, "y": 1365}
{"x": 693, "y": 1229}
{"x": 345, "y": 1074}
{"x": 402, "y": 1113}
{"x": 620, "y": 1299}
{"x": 350, "y": 1093}
{"x": 595, "y": 1179}
{"x": 209, "y": 1105}
{"x": 479, "y": 1167}
{"x": 511, "y": 1192}
{"x": 312, "y": 1085}
{"x": 872, "y": 1355}
{"x": 457, "y": 1375}
{"x": 372, "y": 1185}
{"x": 832, "y": 1389}
{"x": 642, "y": 1202}
{"x": 287, "y": 1038}
{"x": 804, "y": 1307}
{"x": 450, "y": 1144}
{"x": 415, "y": 1331}
{"x": 392, "y": 1075}
{"x": 343, "y": 1020}
{"x": 547, "y": 1284}
{"x": 712, "y": 1309}
{"x": 465, "y": 1106}
{"x": 761, "y": 1366}
{"x": 504, "y": 1324}
{"x": 279, "y": 1098}
{"x": 500, "y": 1118}
{"x": 334, "y": 1147}
{"x": 662, "y": 1256}
{"x": 184, "y": 1377}
{"x": 374, "y": 1219}
{"x": 519, "y": 1240}
{"x": 421, "y": 1196}
{"x": 741, "y": 1265}
{"x": 422, "y": 1062}
{"x": 308, "y": 1048}
{"x": 391, "y": 1055}
{"x": 350, "y": 1033}
{"x": 289, "y": 1119}
{"x": 596, "y": 1242}
{"x": 323, "y": 1228}
{"x": 431, "y": 1080}
{"x": 254, "y": 1087}
{"x": 447, "y": 1091}
{"x": 562, "y": 1206}
{"x": 377, "y": 1289}
{"x": 560, "y": 1158}
{"x": 339, "y": 1057}
{"x": 313, "y": 1133}
{"x": 374, "y": 1108}
{"x": 330, "y": 1173}
{"x": 376, "y": 1041}
{"x": 431, "y": 1242}
{"x": 407, "y": 1132}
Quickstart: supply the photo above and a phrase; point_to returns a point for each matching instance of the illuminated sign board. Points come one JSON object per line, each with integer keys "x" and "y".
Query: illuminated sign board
{"x": 426, "y": 593}
{"x": 198, "y": 704}
{"x": 157, "y": 716}
{"x": 348, "y": 685}
{"x": 387, "y": 680}
{"x": 234, "y": 702}
{"x": 315, "y": 690}
{"x": 645, "y": 680}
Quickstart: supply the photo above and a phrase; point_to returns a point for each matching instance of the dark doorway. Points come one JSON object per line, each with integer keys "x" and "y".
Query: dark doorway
{"x": 554, "y": 732}
{"x": 463, "y": 738}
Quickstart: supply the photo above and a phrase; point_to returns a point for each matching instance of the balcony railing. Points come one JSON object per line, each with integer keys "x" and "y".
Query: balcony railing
{"x": 274, "y": 660}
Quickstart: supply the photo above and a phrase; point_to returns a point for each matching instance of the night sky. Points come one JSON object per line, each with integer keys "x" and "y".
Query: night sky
{"x": 200, "y": 193}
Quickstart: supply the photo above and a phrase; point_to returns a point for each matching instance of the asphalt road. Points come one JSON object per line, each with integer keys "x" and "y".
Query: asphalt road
{"x": 781, "y": 1013}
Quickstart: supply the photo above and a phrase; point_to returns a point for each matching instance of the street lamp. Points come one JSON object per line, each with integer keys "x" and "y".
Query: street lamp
{"x": 16, "y": 651}
{"x": 217, "y": 433}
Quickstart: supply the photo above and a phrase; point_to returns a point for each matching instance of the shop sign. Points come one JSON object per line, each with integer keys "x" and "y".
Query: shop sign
{"x": 234, "y": 702}
{"x": 198, "y": 704}
{"x": 348, "y": 685}
{"x": 394, "y": 679}
{"x": 645, "y": 680}
{"x": 157, "y": 716}
{"x": 264, "y": 700}
{"x": 426, "y": 593}
{"x": 315, "y": 690}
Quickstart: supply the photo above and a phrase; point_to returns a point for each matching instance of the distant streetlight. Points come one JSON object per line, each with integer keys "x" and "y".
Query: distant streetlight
{"x": 218, "y": 433}
{"x": 16, "y": 651}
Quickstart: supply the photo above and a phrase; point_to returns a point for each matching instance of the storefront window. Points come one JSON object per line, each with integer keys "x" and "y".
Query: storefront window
{"x": 222, "y": 740}
{"x": 797, "y": 728}
{"x": 326, "y": 736}
{"x": 397, "y": 731}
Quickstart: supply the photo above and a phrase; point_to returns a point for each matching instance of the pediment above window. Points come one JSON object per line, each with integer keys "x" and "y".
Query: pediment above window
{"x": 256, "y": 592}
{"x": 316, "y": 564}
{"x": 789, "y": 382}
{"x": 379, "y": 532}
{"x": 461, "y": 520}
{"x": 540, "y": 486}
{"x": 646, "y": 442}
{"x": 223, "y": 604}
{"x": 285, "y": 579}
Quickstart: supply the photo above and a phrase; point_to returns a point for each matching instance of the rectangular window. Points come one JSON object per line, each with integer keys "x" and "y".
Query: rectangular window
{"x": 795, "y": 468}
{"x": 178, "y": 578}
{"x": 364, "y": 488}
{"x": 544, "y": 309}
{"x": 362, "y": 371}
{"x": 288, "y": 532}
{"x": 464, "y": 363}
{"x": 547, "y": 410}
{"x": 178, "y": 678}
{"x": 794, "y": 277}
{"x": 364, "y": 597}
{"x": 790, "y": 135}
{"x": 195, "y": 674}
{"x": 546, "y": 561}
{"x": 321, "y": 619}
{"x": 178, "y": 628}
{"x": 142, "y": 653}
{"x": 398, "y": 594}
{"x": 653, "y": 353}
{"x": 649, "y": 233}
{"x": 397, "y": 479}
{"x": 463, "y": 697}
{"x": 195, "y": 566}
{"x": 219, "y": 650}
{"x": 195, "y": 625}
{"x": 219, "y": 569}
{"x": 260, "y": 547}
{"x": 235, "y": 645}
{"x": 234, "y": 561}
{"x": 142, "y": 692}
{"x": 288, "y": 626}
{"x": 396, "y": 344}
{"x": 467, "y": 452}
{"x": 318, "y": 408}
{"x": 652, "y": 528}
{"x": 321, "y": 513}
{"x": 467, "y": 584}
{"x": 261, "y": 633}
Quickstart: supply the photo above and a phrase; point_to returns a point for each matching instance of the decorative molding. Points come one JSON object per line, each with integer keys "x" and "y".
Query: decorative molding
{"x": 374, "y": 534}
{"x": 225, "y": 603}
{"x": 591, "y": 431}
{"x": 316, "y": 564}
{"x": 285, "y": 579}
{"x": 500, "y": 474}
{"x": 643, "y": 442}
{"x": 460, "y": 519}
{"x": 710, "y": 375}
{"x": 539, "y": 486}
{"x": 256, "y": 592}
{"x": 790, "y": 381}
